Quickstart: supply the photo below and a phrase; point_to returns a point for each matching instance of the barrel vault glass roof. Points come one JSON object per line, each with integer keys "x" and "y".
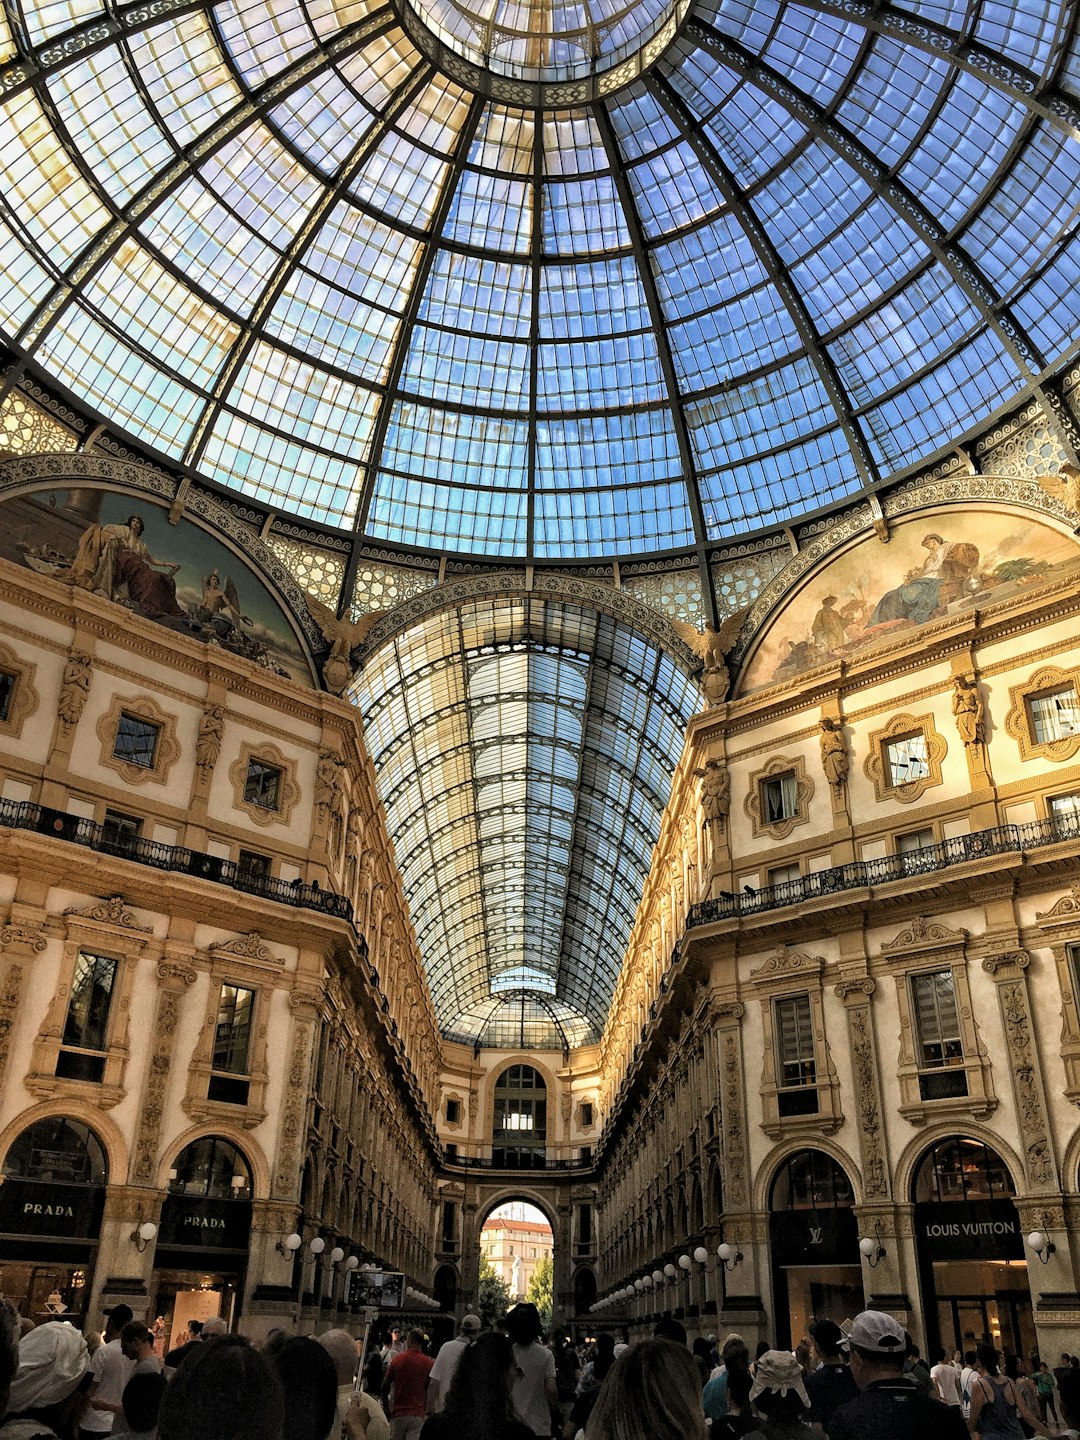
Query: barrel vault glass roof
{"x": 581, "y": 278}
{"x": 524, "y": 749}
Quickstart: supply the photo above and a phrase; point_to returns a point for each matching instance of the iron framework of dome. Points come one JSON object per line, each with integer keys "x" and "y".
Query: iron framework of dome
{"x": 641, "y": 282}
{"x": 582, "y": 280}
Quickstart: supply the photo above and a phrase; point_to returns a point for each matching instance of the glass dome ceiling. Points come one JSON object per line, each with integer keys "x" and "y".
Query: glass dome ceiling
{"x": 577, "y": 279}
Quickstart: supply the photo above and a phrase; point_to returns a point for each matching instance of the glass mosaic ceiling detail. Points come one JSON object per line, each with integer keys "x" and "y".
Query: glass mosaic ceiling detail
{"x": 809, "y": 246}
{"x": 524, "y": 750}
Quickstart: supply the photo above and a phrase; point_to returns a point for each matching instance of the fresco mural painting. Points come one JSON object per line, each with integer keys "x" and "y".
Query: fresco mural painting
{"x": 930, "y": 568}
{"x": 179, "y": 576}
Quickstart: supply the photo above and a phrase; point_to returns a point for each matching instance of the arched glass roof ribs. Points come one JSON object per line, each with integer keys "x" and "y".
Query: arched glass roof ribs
{"x": 539, "y": 743}
{"x": 805, "y": 247}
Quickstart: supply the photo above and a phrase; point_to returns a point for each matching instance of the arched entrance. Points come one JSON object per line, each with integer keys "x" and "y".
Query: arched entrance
{"x": 202, "y": 1244}
{"x": 970, "y": 1248}
{"x": 517, "y": 1247}
{"x": 51, "y": 1203}
{"x": 814, "y": 1243}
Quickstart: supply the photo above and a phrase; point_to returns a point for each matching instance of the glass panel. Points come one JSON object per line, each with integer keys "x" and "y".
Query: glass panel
{"x": 1055, "y": 715}
{"x": 263, "y": 785}
{"x": 936, "y": 1019}
{"x": 87, "y": 1020}
{"x": 906, "y": 759}
{"x": 136, "y": 740}
{"x": 795, "y": 1041}
{"x": 233, "y": 1033}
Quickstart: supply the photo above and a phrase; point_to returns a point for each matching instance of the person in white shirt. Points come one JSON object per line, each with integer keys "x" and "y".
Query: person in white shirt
{"x": 968, "y": 1377}
{"x": 946, "y": 1379}
{"x": 446, "y": 1362}
{"x": 111, "y": 1370}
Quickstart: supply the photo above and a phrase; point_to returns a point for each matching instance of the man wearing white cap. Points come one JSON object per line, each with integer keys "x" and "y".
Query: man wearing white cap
{"x": 890, "y": 1405}
{"x": 446, "y": 1362}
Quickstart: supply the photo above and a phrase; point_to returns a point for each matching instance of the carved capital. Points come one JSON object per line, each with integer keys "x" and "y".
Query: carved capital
{"x": 861, "y": 987}
{"x": 174, "y": 975}
{"x": 1013, "y": 960}
{"x": 17, "y": 937}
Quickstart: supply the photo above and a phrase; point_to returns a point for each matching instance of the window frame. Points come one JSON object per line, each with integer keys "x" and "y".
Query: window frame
{"x": 1019, "y": 724}
{"x": 146, "y": 711}
{"x": 288, "y": 791}
{"x": 778, "y": 769}
{"x": 792, "y": 975}
{"x": 108, "y": 929}
{"x": 925, "y": 948}
{"x": 23, "y": 699}
{"x": 877, "y": 767}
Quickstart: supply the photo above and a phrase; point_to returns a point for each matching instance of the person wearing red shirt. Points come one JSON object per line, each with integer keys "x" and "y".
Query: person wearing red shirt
{"x": 407, "y": 1375}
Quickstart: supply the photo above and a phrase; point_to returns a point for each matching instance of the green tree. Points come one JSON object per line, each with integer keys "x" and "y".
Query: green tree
{"x": 540, "y": 1289}
{"x": 493, "y": 1296}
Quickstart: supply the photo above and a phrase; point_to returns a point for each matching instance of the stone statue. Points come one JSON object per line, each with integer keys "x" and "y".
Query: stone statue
{"x": 74, "y": 688}
{"x": 715, "y": 790}
{"x": 344, "y": 637}
{"x": 208, "y": 744}
{"x": 328, "y": 780}
{"x": 967, "y": 706}
{"x": 834, "y": 752}
{"x": 712, "y": 647}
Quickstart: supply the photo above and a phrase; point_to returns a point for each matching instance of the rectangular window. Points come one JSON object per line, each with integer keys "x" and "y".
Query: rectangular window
{"x": 448, "y": 1224}
{"x": 119, "y": 831}
{"x": 7, "y": 693}
{"x": 779, "y": 797}
{"x": 795, "y": 1064}
{"x": 906, "y": 759}
{"x": 252, "y": 867}
{"x": 586, "y": 1113}
{"x": 784, "y": 875}
{"x": 584, "y": 1227}
{"x": 85, "y": 1038}
{"x": 263, "y": 785}
{"x": 940, "y": 1049}
{"x": 1064, "y": 811}
{"x": 1055, "y": 715}
{"x": 232, "y": 1042}
{"x": 453, "y": 1111}
{"x": 915, "y": 850}
{"x": 136, "y": 740}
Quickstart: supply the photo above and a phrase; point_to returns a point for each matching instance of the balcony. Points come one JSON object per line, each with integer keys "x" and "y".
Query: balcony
{"x": 518, "y": 1158}
{"x": 864, "y": 874}
{"x": 26, "y": 815}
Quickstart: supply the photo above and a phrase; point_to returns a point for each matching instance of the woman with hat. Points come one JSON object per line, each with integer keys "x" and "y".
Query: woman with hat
{"x": 779, "y": 1393}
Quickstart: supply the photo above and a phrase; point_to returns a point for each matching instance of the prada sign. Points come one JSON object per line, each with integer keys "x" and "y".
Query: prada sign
{"x": 36, "y": 1207}
{"x": 814, "y": 1237}
{"x": 969, "y": 1230}
{"x": 205, "y": 1224}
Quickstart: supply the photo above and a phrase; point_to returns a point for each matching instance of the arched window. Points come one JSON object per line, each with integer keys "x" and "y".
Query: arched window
{"x": 519, "y": 1132}
{"x": 810, "y": 1180}
{"x": 213, "y": 1169}
{"x": 57, "y": 1151}
{"x": 960, "y": 1169}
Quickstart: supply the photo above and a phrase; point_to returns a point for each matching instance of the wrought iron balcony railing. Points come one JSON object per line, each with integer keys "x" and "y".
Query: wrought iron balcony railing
{"x": 517, "y": 1157}
{"x": 26, "y": 815}
{"x": 864, "y": 874}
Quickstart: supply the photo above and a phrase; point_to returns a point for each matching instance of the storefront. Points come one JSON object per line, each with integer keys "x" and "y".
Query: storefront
{"x": 51, "y": 1203}
{"x": 970, "y": 1248}
{"x": 814, "y": 1245}
{"x": 202, "y": 1242}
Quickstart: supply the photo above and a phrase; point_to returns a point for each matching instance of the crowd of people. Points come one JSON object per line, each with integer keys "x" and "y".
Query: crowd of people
{"x": 869, "y": 1383}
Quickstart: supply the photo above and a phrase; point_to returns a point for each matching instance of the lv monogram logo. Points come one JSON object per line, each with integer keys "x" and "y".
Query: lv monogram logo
{"x": 815, "y": 1234}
